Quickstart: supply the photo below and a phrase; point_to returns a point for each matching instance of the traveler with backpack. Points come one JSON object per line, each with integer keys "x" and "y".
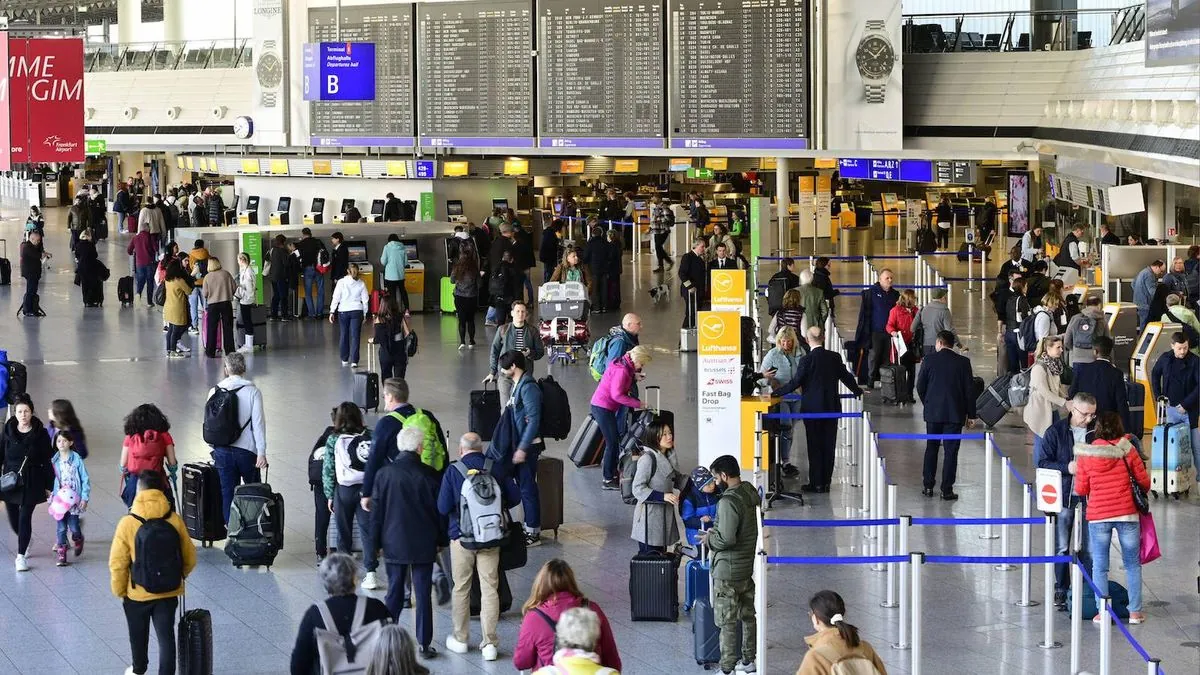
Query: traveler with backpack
{"x": 151, "y": 555}
{"x": 656, "y": 481}
{"x": 1178, "y": 313}
{"x": 236, "y": 429}
{"x": 1047, "y": 393}
{"x": 33, "y": 255}
{"x": 526, "y": 402}
{"x": 407, "y": 526}
{"x": 316, "y": 483}
{"x": 554, "y": 593}
{"x": 475, "y": 550}
{"x": 346, "y": 452}
{"x": 392, "y": 331}
{"x": 836, "y": 647}
{"x": 577, "y": 637}
{"x": 614, "y": 344}
{"x": 932, "y": 319}
{"x": 517, "y": 335}
{"x": 1079, "y": 338}
{"x": 877, "y": 303}
{"x": 662, "y": 219}
{"x": 148, "y": 446}
{"x": 311, "y": 251}
{"x": 1042, "y": 318}
{"x": 25, "y": 451}
{"x": 219, "y": 287}
{"x": 198, "y": 264}
{"x": 1016, "y": 311}
{"x": 401, "y": 415}
{"x": 144, "y": 250}
{"x": 503, "y": 288}
{"x": 70, "y": 494}
{"x": 337, "y": 578}
{"x": 613, "y": 397}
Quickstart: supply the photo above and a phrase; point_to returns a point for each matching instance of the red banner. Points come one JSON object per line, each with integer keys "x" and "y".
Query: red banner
{"x": 46, "y": 112}
{"x": 5, "y": 154}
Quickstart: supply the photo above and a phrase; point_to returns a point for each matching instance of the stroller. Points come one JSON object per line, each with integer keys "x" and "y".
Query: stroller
{"x": 564, "y": 311}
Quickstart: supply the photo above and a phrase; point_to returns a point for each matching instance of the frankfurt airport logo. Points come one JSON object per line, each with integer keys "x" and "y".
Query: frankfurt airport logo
{"x": 58, "y": 145}
{"x": 712, "y": 328}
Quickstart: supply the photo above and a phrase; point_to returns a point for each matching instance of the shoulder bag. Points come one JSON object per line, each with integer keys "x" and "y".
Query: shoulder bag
{"x": 11, "y": 480}
{"x": 1140, "y": 500}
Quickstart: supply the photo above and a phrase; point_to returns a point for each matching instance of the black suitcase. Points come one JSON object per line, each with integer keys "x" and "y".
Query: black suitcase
{"x": 506, "y": 598}
{"x": 992, "y": 405}
{"x": 893, "y": 379}
{"x": 5, "y": 272}
{"x": 977, "y": 387}
{"x": 366, "y": 390}
{"x": 640, "y": 420}
{"x": 587, "y": 445}
{"x": 1135, "y": 392}
{"x": 261, "y": 512}
{"x": 195, "y": 644}
{"x": 484, "y": 413}
{"x": 202, "y": 503}
{"x": 654, "y": 587}
{"x": 125, "y": 291}
{"x": 258, "y": 319}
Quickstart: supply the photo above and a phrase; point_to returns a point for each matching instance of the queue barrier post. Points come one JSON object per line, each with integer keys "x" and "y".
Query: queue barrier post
{"x": 916, "y": 561}
{"x": 1048, "y": 610}
{"x": 880, "y": 506}
{"x": 903, "y": 573}
{"x": 872, "y": 500}
{"x": 949, "y": 296}
{"x": 890, "y": 600}
{"x": 1027, "y": 550}
{"x": 760, "y": 593}
{"x": 970, "y": 265}
{"x": 1077, "y": 615}
{"x": 987, "y": 486}
{"x": 1105, "y": 634}
{"x": 865, "y": 464}
{"x": 1152, "y": 666}
{"x": 1005, "y": 482}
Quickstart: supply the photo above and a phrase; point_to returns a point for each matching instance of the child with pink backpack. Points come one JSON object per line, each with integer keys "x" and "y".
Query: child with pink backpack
{"x": 69, "y": 496}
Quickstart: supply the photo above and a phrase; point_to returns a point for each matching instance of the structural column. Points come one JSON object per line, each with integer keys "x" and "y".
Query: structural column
{"x": 1157, "y": 216}
{"x": 782, "y": 202}
{"x": 173, "y": 21}
{"x": 129, "y": 20}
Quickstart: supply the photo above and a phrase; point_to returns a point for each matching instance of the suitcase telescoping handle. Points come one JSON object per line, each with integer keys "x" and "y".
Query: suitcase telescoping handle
{"x": 657, "y": 390}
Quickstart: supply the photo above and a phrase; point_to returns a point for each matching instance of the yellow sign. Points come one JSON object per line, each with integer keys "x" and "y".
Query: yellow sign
{"x": 452, "y": 169}
{"x": 719, "y": 333}
{"x": 397, "y": 169}
{"x": 768, "y": 163}
{"x": 321, "y": 167}
{"x": 716, "y": 163}
{"x": 279, "y": 167}
{"x": 179, "y": 159}
{"x": 571, "y": 166}
{"x": 250, "y": 166}
{"x": 808, "y": 186}
{"x": 190, "y": 163}
{"x": 625, "y": 166}
{"x": 204, "y": 164}
{"x": 516, "y": 167}
{"x": 728, "y": 290}
{"x": 351, "y": 167}
{"x": 825, "y": 163}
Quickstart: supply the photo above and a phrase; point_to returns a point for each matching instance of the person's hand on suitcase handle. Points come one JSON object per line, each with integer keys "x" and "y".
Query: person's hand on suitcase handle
{"x": 490, "y": 378}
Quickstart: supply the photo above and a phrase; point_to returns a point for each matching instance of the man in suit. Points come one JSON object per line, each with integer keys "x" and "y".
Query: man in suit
{"x": 1104, "y": 381}
{"x": 945, "y": 388}
{"x": 693, "y": 277}
{"x": 877, "y": 303}
{"x": 817, "y": 375}
{"x": 724, "y": 259}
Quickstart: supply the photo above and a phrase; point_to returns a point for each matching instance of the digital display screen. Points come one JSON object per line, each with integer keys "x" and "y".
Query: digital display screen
{"x": 916, "y": 170}
{"x": 377, "y": 207}
{"x": 356, "y": 251}
{"x": 410, "y": 246}
{"x": 318, "y": 205}
{"x": 454, "y": 207}
{"x": 252, "y": 203}
{"x": 501, "y": 204}
{"x": 338, "y": 71}
{"x": 285, "y": 204}
{"x": 346, "y": 204}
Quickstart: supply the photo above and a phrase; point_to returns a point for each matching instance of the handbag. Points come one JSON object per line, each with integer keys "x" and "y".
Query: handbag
{"x": 1149, "y": 547}
{"x": 11, "y": 480}
{"x": 410, "y": 343}
{"x": 266, "y": 268}
{"x": 1140, "y": 500}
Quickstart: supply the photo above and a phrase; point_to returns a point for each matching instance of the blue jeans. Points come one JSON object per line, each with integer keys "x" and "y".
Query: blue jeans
{"x": 351, "y": 325}
{"x": 526, "y": 476}
{"x": 528, "y": 285}
{"x": 1129, "y": 537}
{"x": 197, "y": 305}
{"x": 612, "y": 426}
{"x": 547, "y": 272}
{"x": 279, "y": 299}
{"x": 143, "y": 276}
{"x": 786, "y": 430}
{"x": 68, "y": 521}
{"x": 1013, "y": 352}
{"x": 314, "y": 291}
{"x": 31, "y": 290}
{"x": 234, "y": 466}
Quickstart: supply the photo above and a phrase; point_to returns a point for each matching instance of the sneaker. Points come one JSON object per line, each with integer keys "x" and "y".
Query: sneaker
{"x": 1136, "y": 618}
{"x": 532, "y": 540}
{"x": 490, "y": 653}
{"x": 949, "y": 496}
{"x": 130, "y": 671}
{"x": 185, "y": 349}
{"x": 353, "y": 364}
{"x": 462, "y": 346}
{"x": 456, "y": 646}
{"x": 745, "y": 667}
{"x": 193, "y": 331}
{"x": 21, "y": 565}
{"x": 611, "y": 484}
{"x": 78, "y": 540}
{"x": 928, "y": 492}
{"x": 164, "y": 328}
{"x": 176, "y": 354}
{"x": 790, "y": 470}
{"x": 370, "y": 582}
{"x": 471, "y": 345}
{"x": 345, "y": 363}
{"x": 60, "y": 555}
{"x": 427, "y": 651}
{"x": 1060, "y": 599}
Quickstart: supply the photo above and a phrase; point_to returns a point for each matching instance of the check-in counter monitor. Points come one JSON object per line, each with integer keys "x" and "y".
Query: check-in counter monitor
{"x": 356, "y": 254}
{"x": 454, "y": 211}
{"x": 340, "y": 216}
{"x": 376, "y": 211}
{"x": 282, "y": 213}
{"x": 414, "y": 277}
{"x": 249, "y": 215}
{"x": 316, "y": 213}
{"x": 1122, "y": 319}
{"x": 1154, "y": 342}
{"x": 501, "y": 204}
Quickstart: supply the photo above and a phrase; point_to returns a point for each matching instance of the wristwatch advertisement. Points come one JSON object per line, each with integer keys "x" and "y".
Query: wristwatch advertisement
{"x": 269, "y": 71}
{"x": 875, "y": 57}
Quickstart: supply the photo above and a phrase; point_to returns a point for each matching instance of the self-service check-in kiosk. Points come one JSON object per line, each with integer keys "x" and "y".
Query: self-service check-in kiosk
{"x": 316, "y": 213}
{"x": 454, "y": 211}
{"x": 282, "y": 213}
{"x": 356, "y": 252}
{"x": 340, "y": 216}
{"x": 1122, "y": 319}
{"x": 414, "y": 277}
{"x": 376, "y": 211}
{"x": 249, "y": 215}
{"x": 1154, "y": 342}
{"x": 501, "y": 204}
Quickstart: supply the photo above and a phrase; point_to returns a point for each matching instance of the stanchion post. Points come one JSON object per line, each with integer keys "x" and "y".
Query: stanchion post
{"x": 949, "y": 298}
{"x": 1005, "y": 482}
{"x": 892, "y": 495}
{"x": 1105, "y": 635}
{"x": 872, "y": 500}
{"x": 1152, "y": 666}
{"x": 1027, "y": 550}
{"x": 1048, "y": 608}
{"x": 905, "y": 598}
{"x": 865, "y": 465}
{"x": 758, "y": 450}
{"x": 916, "y": 560}
{"x": 970, "y": 266}
{"x": 760, "y": 593}
{"x": 880, "y": 509}
{"x": 987, "y": 485}
{"x": 1077, "y": 615}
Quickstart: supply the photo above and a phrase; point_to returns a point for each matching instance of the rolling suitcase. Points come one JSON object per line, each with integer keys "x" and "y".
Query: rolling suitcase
{"x": 201, "y": 511}
{"x": 377, "y": 297}
{"x": 1135, "y": 393}
{"x": 640, "y": 420}
{"x": 366, "y": 390}
{"x": 195, "y": 644}
{"x": 992, "y": 405}
{"x": 484, "y": 412}
{"x": 506, "y": 598}
{"x": 447, "y": 295}
{"x": 587, "y": 445}
{"x": 654, "y": 587}
{"x": 550, "y": 492}
{"x": 706, "y": 635}
{"x": 977, "y": 387}
{"x": 893, "y": 379}
{"x": 5, "y": 265}
{"x": 687, "y": 334}
{"x": 696, "y": 581}
{"x": 1171, "y": 471}
{"x": 255, "y": 525}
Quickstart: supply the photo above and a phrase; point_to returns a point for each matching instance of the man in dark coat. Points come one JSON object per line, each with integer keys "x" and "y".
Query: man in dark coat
{"x": 32, "y": 255}
{"x": 693, "y": 278}
{"x": 946, "y": 390}
{"x": 391, "y": 209}
{"x": 597, "y": 254}
{"x": 877, "y": 303}
{"x": 1175, "y": 376}
{"x": 817, "y": 376}
{"x": 1104, "y": 382}
{"x": 409, "y": 529}
{"x": 1057, "y": 451}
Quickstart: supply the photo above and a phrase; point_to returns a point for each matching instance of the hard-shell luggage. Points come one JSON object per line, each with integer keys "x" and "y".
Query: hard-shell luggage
{"x": 5, "y": 265}
{"x": 992, "y": 405}
{"x": 550, "y": 492}
{"x": 1171, "y": 470}
{"x": 258, "y": 319}
{"x": 446, "y": 295}
{"x": 706, "y": 634}
{"x": 125, "y": 291}
{"x": 1135, "y": 393}
{"x": 131, "y": 226}
{"x": 377, "y": 297}
{"x": 255, "y": 525}
{"x": 201, "y": 499}
{"x": 587, "y": 445}
{"x": 654, "y": 587}
{"x": 195, "y": 643}
{"x": 484, "y": 411}
{"x": 366, "y": 390}
{"x": 640, "y": 420}
{"x": 506, "y": 598}
{"x": 688, "y": 340}
{"x": 696, "y": 582}
{"x": 893, "y": 379}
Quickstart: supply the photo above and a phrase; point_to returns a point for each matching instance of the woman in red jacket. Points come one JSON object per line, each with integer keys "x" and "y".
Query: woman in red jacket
{"x": 1102, "y": 471}
{"x": 899, "y": 323}
{"x": 554, "y": 592}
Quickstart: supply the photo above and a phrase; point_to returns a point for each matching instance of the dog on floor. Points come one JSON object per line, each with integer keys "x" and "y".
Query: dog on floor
{"x": 659, "y": 293}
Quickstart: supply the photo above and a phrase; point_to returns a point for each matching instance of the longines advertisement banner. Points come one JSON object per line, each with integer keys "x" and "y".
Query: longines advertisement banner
{"x": 270, "y": 73}
{"x": 864, "y": 78}
{"x": 718, "y": 384}
{"x": 1172, "y": 32}
{"x": 45, "y": 100}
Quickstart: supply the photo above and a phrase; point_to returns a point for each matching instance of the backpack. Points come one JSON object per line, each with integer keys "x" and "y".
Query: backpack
{"x": 850, "y": 664}
{"x": 482, "y": 518}
{"x": 316, "y": 465}
{"x": 1026, "y": 335}
{"x": 556, "y": 410}
{"x": 598, "y": 357}
{"x": 350, "y": 453}
{"x": 1192, "y": 336}
{"x": 160, "y": 294}
{"x": 627, "y": 468}
{"x": 926, "y": 240}
{"x": 222, "y": 425}
{"x": 347, "y": 654}
{"x": 498, "y": 283}
{"x": 157, "y": 557}
{"x": 255, "y": 525}
{"x": 1083, "y": 332}
{"x": 433, "y": 450}
{"x": 1018, "y": 388}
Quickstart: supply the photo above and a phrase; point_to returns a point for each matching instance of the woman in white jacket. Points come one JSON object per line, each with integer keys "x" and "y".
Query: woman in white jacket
{"x": 246, "y": 293}
{"x": 350, "y": 304}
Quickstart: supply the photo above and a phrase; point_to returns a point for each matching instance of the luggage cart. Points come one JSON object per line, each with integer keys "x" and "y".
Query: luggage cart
{"x": 564, "y": 311}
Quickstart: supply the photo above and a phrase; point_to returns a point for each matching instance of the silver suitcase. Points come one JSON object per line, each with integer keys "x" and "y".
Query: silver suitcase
{"x": 687, "y": 339}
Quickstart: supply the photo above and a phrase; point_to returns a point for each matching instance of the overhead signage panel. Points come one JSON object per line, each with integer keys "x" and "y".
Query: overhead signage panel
{"x": 339, "y": 71}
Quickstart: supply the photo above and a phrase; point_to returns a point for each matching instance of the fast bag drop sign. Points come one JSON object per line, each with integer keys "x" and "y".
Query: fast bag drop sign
{"x": 45, "y": 100}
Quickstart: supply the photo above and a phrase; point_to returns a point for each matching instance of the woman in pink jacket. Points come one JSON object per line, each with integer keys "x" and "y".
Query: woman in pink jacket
{"x": 613, "y": 395}
{"x": 554, "y": 592}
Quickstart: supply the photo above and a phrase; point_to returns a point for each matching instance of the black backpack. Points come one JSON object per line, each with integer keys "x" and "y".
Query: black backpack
{"x": 556, "y": 410}
{"x": 498, "y": 284}
{"x": 222, "y": 425}
{"x": 316, "y": 459}
{"x": 157, "y": 557}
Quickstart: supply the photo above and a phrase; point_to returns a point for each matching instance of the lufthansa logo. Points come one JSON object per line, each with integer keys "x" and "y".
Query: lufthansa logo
{"x": 713, "y": 327}
{"x": 723, "y": 283}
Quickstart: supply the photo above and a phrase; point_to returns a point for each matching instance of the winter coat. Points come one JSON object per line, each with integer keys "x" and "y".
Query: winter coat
{"x": 615, "y": 385}
{"x": 816, "y": 308}
{"x": 873, "y": 313}
{"x": 219, "y": 286}
{"x": 505, "y": 341}
{"x": 246, "y": 290}
{"x": 394, "y": 259}
{"x": 901, "y": 319}
{"x": 33, "y": 449}
{"x": 548, "y": 251}
{"x": 655, "y": 522}
{"x": 404, "y": 511}
{"x": 176, "y": 311}
{"x": 87, "y": 261}
{"x": 734, "y": 536}
{"x": 1176, "y": 379}
{"x": 1101, "y": 477}
{"x": 694, "y": 506}
{"x": 1076, "y": 333}
{"x": 526, "y": 400}
{"x": 829, "y": 639}
{"x": 932, "y": 318}
{"x": 1058, "y": 450}
{"x": 1046, "y": 394}
{"x": 73, "y": 460}
{"x": 147, "y": 504}
{"x": 1144, "y": 285}
{"x": 195, "y": 257}
{"x": 536, "y": 640}
{"x": 151, "y": 218}
{"x": 31, "y": 260}
{"x": 783, "y": 363}
{"x": 1184, "y": 316}
{"x": 561, "y": 272}
{"x": 143, "y": 248}
{"x": 279, "y": 264}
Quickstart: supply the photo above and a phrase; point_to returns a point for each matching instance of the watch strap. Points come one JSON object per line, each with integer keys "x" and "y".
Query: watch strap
{"x": 876, "y": 24}
{"x": 269, "y": 99}
{"x": 875, "y": 92}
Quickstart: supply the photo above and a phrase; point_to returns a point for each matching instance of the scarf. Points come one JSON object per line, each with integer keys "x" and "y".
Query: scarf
{"x": 1053, "y": 366}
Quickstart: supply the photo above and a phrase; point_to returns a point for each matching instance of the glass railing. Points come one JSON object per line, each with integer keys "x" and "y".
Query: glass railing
{"x": 191, "y": 55}
{"x": 1023, "y": 31}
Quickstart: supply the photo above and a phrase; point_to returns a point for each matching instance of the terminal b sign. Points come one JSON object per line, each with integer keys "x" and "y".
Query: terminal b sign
{"x": 41, "y": 101}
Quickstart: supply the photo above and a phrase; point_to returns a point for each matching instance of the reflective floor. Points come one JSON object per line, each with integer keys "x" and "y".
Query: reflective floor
{"x": 64, "y": 620}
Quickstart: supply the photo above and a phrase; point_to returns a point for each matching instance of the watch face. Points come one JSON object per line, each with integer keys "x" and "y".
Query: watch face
{"x": 270, "y": 71}
{"x": 875, "y": 57}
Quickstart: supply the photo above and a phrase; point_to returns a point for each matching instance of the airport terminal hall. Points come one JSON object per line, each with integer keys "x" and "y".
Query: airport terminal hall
{"x": 589, "y": 337}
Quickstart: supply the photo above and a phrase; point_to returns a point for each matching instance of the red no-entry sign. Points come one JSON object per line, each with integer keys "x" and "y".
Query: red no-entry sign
{"x": 1049, "y": 490}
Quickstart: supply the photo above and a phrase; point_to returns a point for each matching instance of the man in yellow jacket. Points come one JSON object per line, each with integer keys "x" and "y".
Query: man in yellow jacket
{"x": 151, "y": 588}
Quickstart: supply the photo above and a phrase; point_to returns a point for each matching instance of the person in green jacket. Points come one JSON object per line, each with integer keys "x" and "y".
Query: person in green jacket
{"x": 733, "y": 542}
{"x": 394, "y": 260}
{"x": 816, "y": 309}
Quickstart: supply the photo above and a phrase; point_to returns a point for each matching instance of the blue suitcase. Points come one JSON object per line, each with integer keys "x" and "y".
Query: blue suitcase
{"x": 695, "y": 583}
{"x": 1171, "y": 470}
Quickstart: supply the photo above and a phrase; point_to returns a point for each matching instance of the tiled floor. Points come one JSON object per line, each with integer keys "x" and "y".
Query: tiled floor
{"x": 64, "y": 620}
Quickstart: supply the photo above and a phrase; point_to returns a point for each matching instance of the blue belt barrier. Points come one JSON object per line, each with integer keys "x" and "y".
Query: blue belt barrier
{"x": 836, "y": 560}
{"x": 914, "y": 287}
{"x": 911, "y": 256}
{"x": 810, "y": 416}
{"x": 1012, "y": 468}
{"x": 797, "y": 397}
{"x": 860, "y": 258}
{"x": 996, "y": 559}
{"x": 862, "y": 522}
{"x": 776, "y": 257}
{"x": 969, "y": 278}
{"x": 953, "y": 522}
{"x": 931, "y": 437}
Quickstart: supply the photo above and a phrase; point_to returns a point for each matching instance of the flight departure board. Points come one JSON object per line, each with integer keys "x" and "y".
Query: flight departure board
{"x": 739, "y": 74}
{"x": 388, "y": 120}
{"x": 600, "y": 73}
{"x": 475, "y": 74}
